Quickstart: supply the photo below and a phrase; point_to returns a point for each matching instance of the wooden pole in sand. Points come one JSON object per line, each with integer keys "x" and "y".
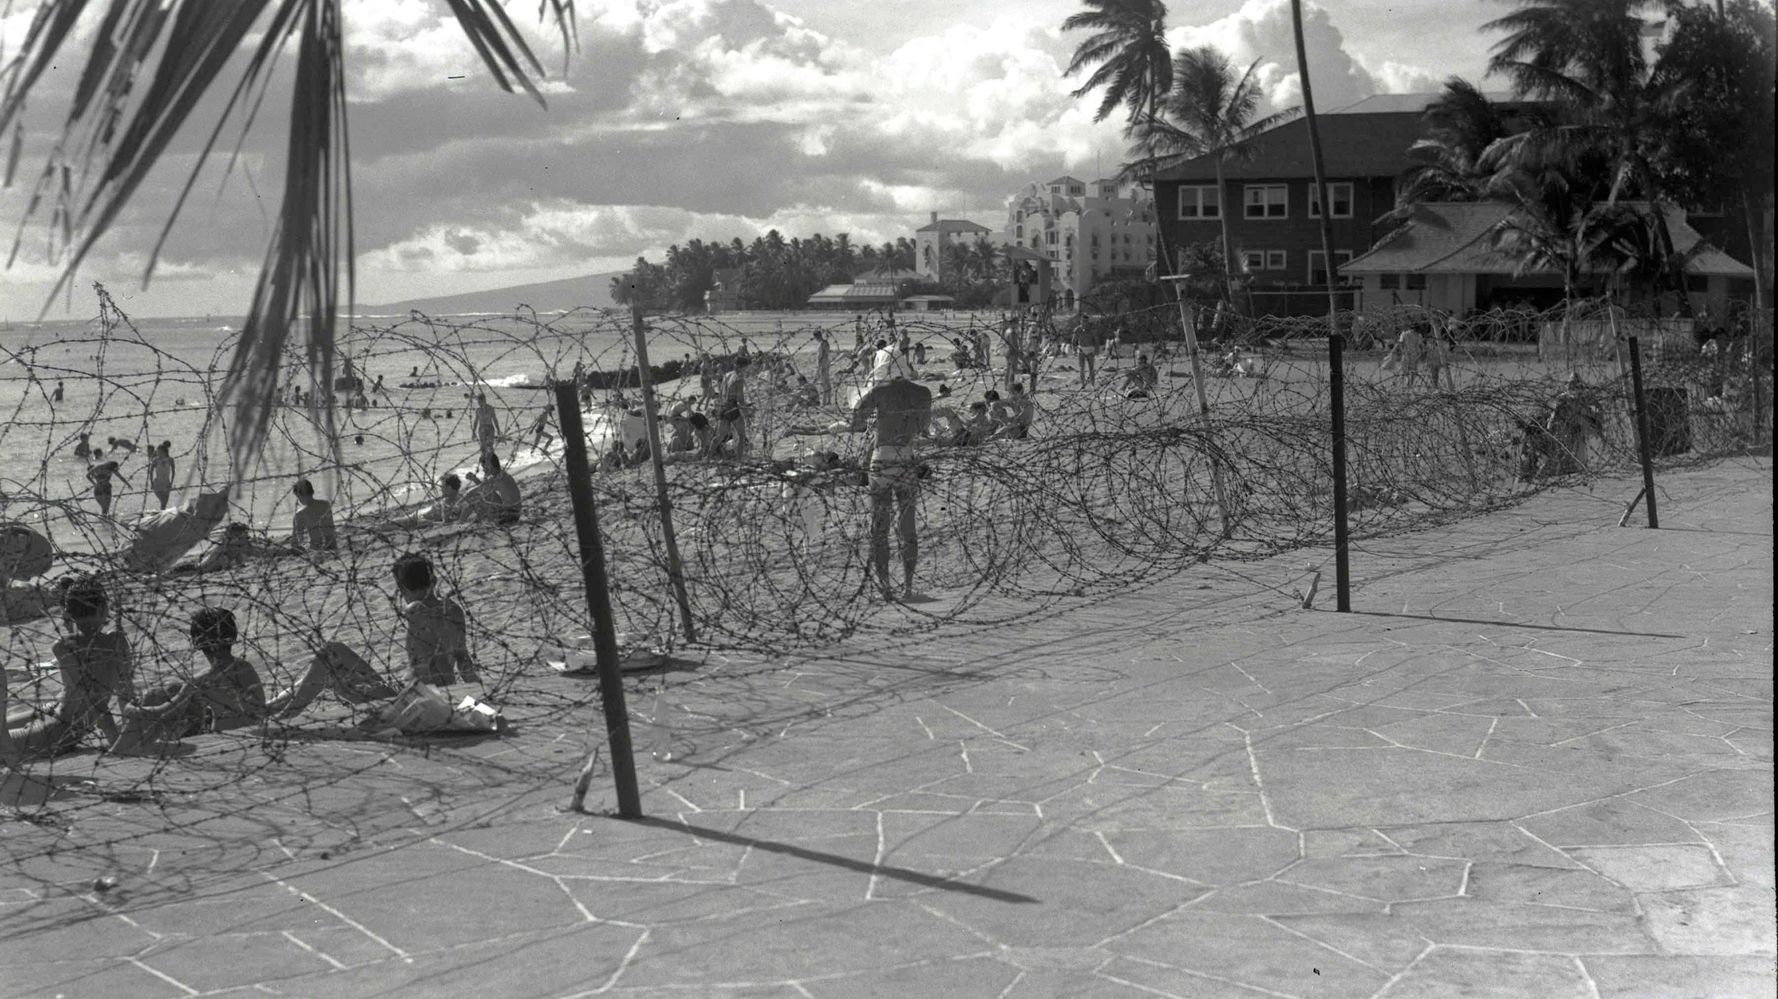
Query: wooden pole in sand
{"x": 650, "y": 413}
{"x": 598, "y": 599}
{"x": 1642, "y": 448}
{"x": 1191, "y": 351}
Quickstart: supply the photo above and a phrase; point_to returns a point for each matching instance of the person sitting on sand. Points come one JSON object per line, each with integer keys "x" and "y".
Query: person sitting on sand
{"x": 96, "y": 668}
{"x": 228, "y": 695}
{"x": 805, "y": 395}
{"x": 100, "y": 476}
{"x": 437, "y": 630}
{"x": 118, "y": 444}
{"x": 960, "y": 432}
{"x": 437, "y": 649}
{"x": 83, "y": 448}
{"x": 679, "y": 436}
{"x": 615, "y": 459}
{"x": 313, "y": 523}
{"x": 1023, "y": 412}
{"x": 1141, "y": 380}
{"x": 496, "y": 496}
{"x": 450, "y": 504}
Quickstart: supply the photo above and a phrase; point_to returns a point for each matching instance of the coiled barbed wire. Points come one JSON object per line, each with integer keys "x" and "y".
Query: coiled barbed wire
{"x": 1113, "y": 487}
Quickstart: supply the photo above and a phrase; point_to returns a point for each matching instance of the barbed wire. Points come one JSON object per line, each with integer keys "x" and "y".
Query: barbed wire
{"x": 1121, "y": 481}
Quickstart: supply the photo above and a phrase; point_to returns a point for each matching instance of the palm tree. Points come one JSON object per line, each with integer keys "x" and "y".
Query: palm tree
{"x": 1587, "y": 56}
{"x": 1209, "y": 111}
{"x": 1129, "y": 46}
{"x": 1554, "y": 198}
{"x": 1460, "y": 125}
{"x": 116, "y": 132}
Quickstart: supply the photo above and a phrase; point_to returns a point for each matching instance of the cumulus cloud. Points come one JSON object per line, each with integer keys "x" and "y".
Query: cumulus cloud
{"x": 1262, "y": 30}
{"x": 709, "y": 119}
{"x": 562, "y": 234}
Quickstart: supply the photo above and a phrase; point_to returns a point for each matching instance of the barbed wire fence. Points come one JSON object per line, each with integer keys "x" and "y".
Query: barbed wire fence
{"x": 1114, "y": 486}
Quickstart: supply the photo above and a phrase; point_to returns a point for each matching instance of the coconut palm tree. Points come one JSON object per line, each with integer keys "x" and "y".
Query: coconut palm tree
{"x": 1459, "y": 127}
{"x": 1209, "y": 111}
{"x": 1554, "y": 197}
{"x": 150, "y": 66}
{"x": 1587, "y": 57}
{"x": 1129, "y": 47}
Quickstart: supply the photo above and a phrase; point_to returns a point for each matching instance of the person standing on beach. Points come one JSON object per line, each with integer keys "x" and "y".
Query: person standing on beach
{"x": 540, "y": 426}
{"x": 824, "y": 368}
{"x": 487, "y": 431}
{"x": 900, "y": 410}
{"x": 160, "y": 472}
{"x": 56, "y": 396}
{"x": 313, "y": 522}
{"x": 1409, "y": 348}
{"x": 1086, "y": 351}
{"x": 733, "y": 414}
{"x": 100, "y": 476}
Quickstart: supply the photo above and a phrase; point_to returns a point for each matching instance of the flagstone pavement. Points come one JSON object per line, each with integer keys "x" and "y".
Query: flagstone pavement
{"x": 1536, "y": 760}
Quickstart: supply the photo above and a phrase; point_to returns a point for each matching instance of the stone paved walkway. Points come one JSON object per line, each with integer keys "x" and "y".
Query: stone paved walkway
{"x": 1536, "y": 762}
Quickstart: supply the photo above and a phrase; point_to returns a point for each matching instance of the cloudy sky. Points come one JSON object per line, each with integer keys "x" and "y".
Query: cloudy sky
{"x": 681, "y": 119}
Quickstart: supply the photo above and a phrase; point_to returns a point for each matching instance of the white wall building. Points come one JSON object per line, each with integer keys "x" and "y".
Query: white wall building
{"x": 931, "y": 239}
{"x": 1092, "y": 231}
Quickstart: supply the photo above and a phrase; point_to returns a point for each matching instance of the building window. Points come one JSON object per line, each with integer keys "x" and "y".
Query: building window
{"x": 1318, "y": 264}
{"x": 1253, "y": 260}
{"x": 1200, "y": 202}
{"x": 1267, "y": 201}
{"x": 1389, "y": 282}
{"x": 1052, "y": 237}
{"x": 1276, "y": 260}
{"x": 1340, "y": 194}
{"x": 1415, "y": 282}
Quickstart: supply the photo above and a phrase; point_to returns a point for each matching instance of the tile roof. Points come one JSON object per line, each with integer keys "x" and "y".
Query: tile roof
{"x": 953, "y": 225}
{"x": 1454, "y": 238}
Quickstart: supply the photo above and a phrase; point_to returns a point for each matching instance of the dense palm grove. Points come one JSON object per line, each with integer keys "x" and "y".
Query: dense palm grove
{"x": 775, "y": 273}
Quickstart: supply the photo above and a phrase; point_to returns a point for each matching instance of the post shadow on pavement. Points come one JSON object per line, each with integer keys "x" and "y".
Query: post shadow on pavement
{"x": 836, "y": 860}
{"x": 1518, "y": 624}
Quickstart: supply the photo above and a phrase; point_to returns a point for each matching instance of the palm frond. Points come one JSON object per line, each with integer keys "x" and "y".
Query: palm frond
{"x": 116, "y": 131}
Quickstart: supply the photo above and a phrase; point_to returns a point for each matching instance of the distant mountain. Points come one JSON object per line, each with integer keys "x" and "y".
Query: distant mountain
{"x": 593, "y": 290}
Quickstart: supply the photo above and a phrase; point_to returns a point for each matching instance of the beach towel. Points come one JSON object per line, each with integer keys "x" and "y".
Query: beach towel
{"x": 162, "y": 537}
{"x": 23, "y": 552}
{"x": 422, "y": 708}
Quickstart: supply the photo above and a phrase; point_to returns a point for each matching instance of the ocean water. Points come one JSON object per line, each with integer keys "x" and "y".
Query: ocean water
{"x": 162, "y": 380}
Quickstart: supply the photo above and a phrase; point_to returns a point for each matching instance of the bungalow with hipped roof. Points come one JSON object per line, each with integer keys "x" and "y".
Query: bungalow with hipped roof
{"x": 1447, "y": 257}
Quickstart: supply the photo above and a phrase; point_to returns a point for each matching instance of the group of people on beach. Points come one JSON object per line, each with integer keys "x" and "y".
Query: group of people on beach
{"x": 102, "y": 469}
{"x": 98, "y": 673}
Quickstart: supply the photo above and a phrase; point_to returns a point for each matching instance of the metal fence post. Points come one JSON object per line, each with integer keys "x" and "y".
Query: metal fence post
{"x": 1642, "y": 445}
{"x": 1336, "y": 359}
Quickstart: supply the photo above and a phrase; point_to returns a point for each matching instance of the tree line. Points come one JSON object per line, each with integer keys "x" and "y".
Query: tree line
{"x": 774, "y": 273}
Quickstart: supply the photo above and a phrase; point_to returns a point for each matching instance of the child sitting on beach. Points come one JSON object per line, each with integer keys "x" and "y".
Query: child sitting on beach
{"x": 437, "y": 631}
{"x": 437, "y": 649}
{"x": 496, "y": 496}
{"x": 228, "y": 695}
{"x": 95, "y": 666}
